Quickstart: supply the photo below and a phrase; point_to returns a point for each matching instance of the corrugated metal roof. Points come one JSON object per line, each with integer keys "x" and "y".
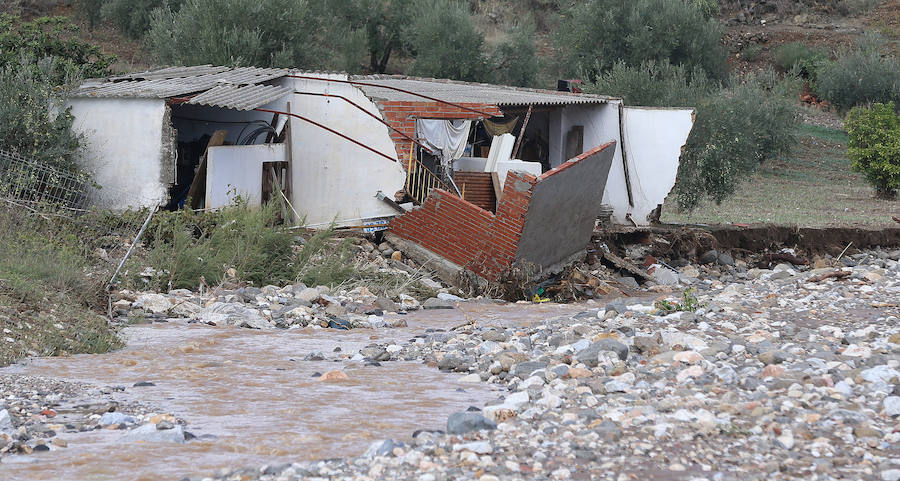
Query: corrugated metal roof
{"x": 175, "y": 82}
{"x": 247, "y": 97}
{"x": 465, "y": 92}
{"x": 173, "y": 72}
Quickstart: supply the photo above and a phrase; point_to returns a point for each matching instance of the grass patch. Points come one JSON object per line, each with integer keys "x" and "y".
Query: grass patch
{"x": 823, "y": 133}
{"x": 53, "y": 327}
{"x": 242, "y": 245}
{"x": 813, "y": 187}
{"x": 48, "y": 286}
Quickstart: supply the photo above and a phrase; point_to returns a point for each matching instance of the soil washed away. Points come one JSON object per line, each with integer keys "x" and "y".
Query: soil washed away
{"x": 248, "y": 396}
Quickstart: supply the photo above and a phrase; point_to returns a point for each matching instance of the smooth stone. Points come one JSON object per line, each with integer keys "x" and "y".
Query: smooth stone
{"x": 149, "y": 433}
{"x": 108, "y": 419}
{"x": 435, "y": 303}
{"x": 464, "y": 422}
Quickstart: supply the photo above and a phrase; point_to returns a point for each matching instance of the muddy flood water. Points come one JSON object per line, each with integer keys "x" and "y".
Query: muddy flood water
{"x": 252, "y": 400}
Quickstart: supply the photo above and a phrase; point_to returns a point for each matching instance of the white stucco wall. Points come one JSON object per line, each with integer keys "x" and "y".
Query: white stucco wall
{"x": 653, "y": 141}
{"x": 124, "y": 149}
{"x": 334, "y": 179}
{"x": 237, "y": 171}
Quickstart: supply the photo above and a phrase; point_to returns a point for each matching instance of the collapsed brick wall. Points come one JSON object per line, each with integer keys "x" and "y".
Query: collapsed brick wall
{"x": 484, "y": 243}
{"x": 402, "y": 116}
{"x": 467, "y": 235}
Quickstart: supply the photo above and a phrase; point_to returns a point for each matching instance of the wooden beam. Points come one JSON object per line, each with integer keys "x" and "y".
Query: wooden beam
{"x": 624, "y": 154}
{"x": 515, "y": 151}
{"x": 198, "y": 185}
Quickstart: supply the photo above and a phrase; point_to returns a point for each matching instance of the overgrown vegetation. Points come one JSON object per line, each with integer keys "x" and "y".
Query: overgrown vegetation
{"x": 596, "y": 34}
{"x": 241, "y": 245}
{"x": 49, "y": 288}
{"x": 737, "y": 125}
{"x": 800, "y": 57}
{"x": 37, "y": 59}
{"x": 874, "y": 146}
{"x": 50, "y": 37}
{"x": 860, "y": 76}
{"x": 445, "y": 42}
{"x": 187, "y": 249}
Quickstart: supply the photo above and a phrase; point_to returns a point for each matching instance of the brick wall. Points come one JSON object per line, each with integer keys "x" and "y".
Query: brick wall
{"x": 402, "y": 116}
{"x": 466, "y": 234}
{"x": 487, "y": 244}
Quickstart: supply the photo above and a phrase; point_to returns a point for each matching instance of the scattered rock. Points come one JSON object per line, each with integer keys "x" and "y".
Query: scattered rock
{"x": 464, "y": 422}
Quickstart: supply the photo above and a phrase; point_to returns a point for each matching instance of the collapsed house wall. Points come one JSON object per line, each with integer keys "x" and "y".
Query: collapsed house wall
{"x": 335, "y": 180}
{"x": 654, "y": 139}
{"x": 466, "y": 236}
{"x": 128, "y": 149}
{"x": 564, "y": 207}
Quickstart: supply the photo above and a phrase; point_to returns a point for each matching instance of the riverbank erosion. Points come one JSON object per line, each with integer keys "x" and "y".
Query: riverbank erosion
{"x": 788, "y": 372}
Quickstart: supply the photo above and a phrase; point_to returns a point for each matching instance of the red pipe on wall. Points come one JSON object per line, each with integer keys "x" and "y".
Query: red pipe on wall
{"x": 335, "y": 132}
{"x": 369, "y": 114}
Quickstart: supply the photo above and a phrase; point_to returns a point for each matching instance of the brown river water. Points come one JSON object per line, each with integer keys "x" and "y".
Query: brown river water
{"x": 253, "y": 393}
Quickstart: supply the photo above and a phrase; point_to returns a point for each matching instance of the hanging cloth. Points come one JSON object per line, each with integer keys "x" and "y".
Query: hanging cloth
{"x": 446, "y": 137}
{"x": 500, "y": 127}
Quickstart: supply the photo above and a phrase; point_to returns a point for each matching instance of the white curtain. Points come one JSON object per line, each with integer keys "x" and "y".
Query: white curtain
{"x": 445, "y": 137}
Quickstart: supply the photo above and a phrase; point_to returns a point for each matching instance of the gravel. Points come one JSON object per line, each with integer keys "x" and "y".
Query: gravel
{"x": 770, "y": 377}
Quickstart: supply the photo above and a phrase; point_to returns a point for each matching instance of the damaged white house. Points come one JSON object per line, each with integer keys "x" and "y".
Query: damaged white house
{"x": 349, "y": 149}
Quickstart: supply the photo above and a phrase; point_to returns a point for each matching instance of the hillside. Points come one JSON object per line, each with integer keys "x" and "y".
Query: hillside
{"x": 752, "y": 33}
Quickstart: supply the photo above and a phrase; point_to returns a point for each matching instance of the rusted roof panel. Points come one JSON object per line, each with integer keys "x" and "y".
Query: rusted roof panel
{"x": 466, "y": 92}
{"x": 247, "y": 97}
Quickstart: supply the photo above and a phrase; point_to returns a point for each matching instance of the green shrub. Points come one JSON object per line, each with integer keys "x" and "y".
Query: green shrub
{"x": 751, "y": 52}
{"x": 709, "y": 8}
{"x": 735, "y": 129}
{"x": 90, "y": 10}
{"x": 187, "y": 249}
{"x": 274, "y": 33}
{"x": 874, "y": 146}
{"x": 596, "y": 34}
{"x": 688, "y": 303}
{"x": 133, "y": 16}
{"x": 859, "y": 77}
{"x": 33, "y": 118}
{"x": 655, "y": 84}
{"x": 50, "y": 37}
{"x": 799, "y": 56}
{"x": 515, "y": 61}
{"x": 445, "y": 43}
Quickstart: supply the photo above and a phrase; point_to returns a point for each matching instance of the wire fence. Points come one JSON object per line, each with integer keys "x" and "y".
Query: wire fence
{"x": 30, "y": 181}
{"x": 48, "y": 201}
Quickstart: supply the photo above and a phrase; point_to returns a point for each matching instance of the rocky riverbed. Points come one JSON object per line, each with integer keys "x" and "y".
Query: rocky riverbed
{"x": 784, "y": 373}
{"x": 773, "y": 375}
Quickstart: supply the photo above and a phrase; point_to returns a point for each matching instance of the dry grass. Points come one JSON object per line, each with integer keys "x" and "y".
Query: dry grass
{"x": 813, "y": 188}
